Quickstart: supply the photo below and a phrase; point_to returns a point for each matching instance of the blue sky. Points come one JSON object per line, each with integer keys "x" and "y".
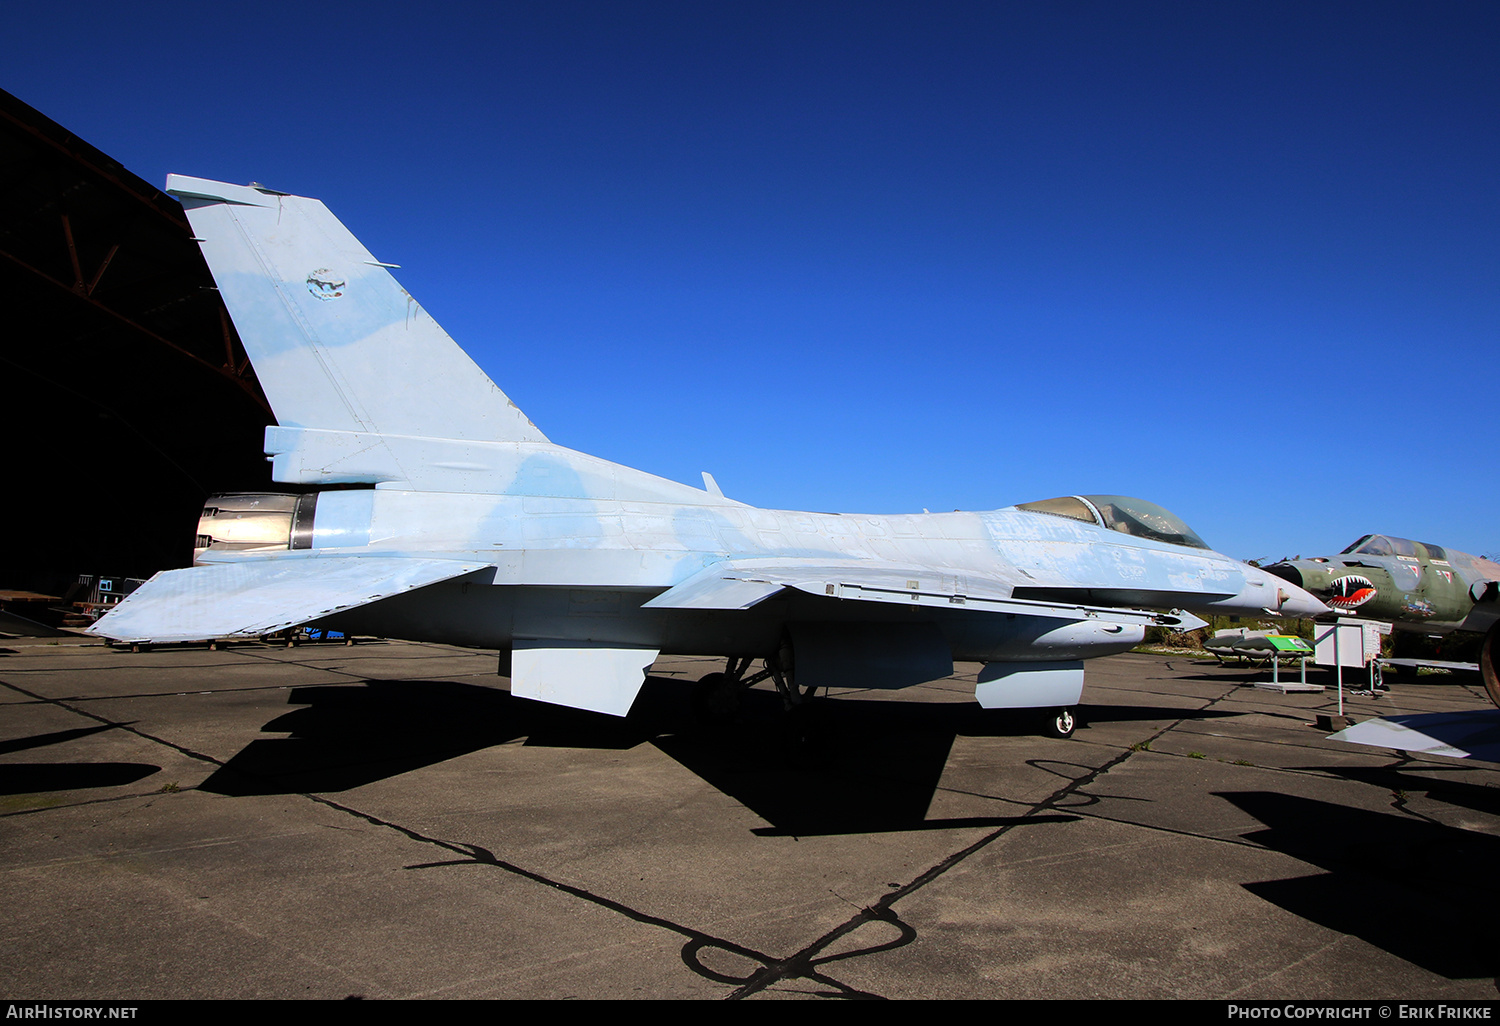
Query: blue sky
{"x": 1239, "y": 259}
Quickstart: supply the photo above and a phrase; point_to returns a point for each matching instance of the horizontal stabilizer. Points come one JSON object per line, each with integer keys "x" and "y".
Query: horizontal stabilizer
{"x": 250, "y": 598}
{"x": 579, "y": 674}
{"x": 1462, "y": 735}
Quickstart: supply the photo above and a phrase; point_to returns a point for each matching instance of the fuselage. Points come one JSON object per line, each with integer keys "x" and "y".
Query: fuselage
{"x": 538, "y": 586}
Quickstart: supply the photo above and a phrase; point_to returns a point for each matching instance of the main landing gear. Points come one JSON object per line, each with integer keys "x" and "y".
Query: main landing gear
{"x": 1489, "y": 657}
{"x": 716, "y": 697}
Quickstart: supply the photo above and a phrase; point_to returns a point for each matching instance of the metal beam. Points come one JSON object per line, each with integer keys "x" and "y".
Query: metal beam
{"x": 79, "y": 292}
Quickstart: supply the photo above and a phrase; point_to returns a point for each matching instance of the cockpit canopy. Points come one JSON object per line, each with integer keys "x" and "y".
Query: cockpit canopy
{"x": 1121, "y": 513}
{"x": 1383, "y": 545}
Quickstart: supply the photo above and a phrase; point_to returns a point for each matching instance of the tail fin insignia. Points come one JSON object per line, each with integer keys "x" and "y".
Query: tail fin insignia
{"x": 337, "y": 344}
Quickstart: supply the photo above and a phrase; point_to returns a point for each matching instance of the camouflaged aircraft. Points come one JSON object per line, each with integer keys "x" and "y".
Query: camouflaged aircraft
{"x": 1411, "y": 585}
{"x": 431, "y": 508}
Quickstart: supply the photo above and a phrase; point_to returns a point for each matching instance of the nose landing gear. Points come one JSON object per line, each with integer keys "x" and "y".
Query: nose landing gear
{"x": 1060, "y": 723}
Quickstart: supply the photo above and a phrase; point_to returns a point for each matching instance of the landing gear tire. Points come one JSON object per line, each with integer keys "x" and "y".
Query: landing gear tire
{"x": 1489, "y": 654}
{"x": 1060, "y": 723}
{"x": 716, "y": 699}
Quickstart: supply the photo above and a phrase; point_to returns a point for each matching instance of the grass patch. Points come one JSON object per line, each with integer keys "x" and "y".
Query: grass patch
{"x": 29, "y": 802}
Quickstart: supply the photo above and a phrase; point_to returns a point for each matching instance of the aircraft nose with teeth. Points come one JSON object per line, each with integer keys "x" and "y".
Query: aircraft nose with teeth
{"x": 1351, "y": 592}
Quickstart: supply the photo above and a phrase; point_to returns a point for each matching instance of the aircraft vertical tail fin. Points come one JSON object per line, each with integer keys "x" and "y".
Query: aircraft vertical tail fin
{"x": 336, "y": 343}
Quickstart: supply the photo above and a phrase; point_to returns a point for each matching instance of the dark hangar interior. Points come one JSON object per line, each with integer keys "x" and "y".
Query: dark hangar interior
{"x": 128, "y": 394}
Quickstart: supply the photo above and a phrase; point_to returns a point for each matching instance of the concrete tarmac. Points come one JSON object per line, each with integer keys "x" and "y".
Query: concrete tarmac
{"x": 385, "y": 821}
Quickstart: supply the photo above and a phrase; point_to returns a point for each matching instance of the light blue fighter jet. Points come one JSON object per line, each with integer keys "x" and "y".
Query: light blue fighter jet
{"x": 455, "y": 520}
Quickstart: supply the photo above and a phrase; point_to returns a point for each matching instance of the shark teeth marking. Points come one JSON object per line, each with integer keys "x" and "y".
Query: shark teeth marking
{"x": 1351, "y": 591}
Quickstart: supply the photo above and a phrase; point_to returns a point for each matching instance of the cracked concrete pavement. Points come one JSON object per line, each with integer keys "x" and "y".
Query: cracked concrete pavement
{"x": 385, "y": 821}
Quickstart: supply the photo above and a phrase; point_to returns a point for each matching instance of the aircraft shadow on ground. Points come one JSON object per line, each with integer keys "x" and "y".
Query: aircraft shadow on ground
{"x": 1147, "y": 713}
{"x": 1417, "y": 889}
{"x": 830, "y": 768}
{"x": 346, "y": 736}
{"x": 1248, "y": 675}
{"x": 21, "y": 744}
{"x": 1437, "y": 780}
{"x": 851, "y": 765}
{"x": 36, "y": 777}
{"x": 857, "y": 765}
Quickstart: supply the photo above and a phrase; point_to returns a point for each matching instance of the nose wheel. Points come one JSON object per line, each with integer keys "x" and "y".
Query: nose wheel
{"x": 1061, "y": 723}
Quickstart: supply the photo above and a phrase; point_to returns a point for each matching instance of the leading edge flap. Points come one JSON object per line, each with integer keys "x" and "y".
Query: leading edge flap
{"x": 251, "y": 598}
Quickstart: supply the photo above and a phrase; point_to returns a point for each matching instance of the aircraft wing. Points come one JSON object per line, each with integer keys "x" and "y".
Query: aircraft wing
{"x": 743, "y": 583}
{"x": 1471, "y": 734}
{"x": 1486, "y": 610}
{"x": 255, "y": 597}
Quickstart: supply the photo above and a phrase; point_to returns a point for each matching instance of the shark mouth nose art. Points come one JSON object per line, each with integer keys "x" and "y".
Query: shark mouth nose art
{"x": 1351, "y": 591}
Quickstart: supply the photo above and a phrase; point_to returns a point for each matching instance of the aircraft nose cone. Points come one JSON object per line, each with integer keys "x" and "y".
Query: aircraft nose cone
{"x": 1295, "y": 603}
{"x": 1274, "y": 594}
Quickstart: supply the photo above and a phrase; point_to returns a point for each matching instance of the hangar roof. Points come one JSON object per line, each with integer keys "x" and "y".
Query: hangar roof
{"x": 101, "y": 251}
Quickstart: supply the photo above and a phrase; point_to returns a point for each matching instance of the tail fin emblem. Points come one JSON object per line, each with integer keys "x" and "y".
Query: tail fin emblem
{"x": 324, "y": 284}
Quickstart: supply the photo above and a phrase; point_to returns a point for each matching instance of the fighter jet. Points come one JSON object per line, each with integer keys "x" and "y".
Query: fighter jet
{"x": 1414, "y": 586}
{"x": 429, "y": 507}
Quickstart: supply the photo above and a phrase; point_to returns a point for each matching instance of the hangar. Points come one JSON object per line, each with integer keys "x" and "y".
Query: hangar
{"x": 128, "y": 395}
